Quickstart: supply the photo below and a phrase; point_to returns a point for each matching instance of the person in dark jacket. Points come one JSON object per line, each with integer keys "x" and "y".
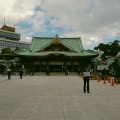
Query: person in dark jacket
{"x": 21, "y": 72}
{"x": 9, "y": 72}
{"x": 86, "y": 78}
{"x": 104, "y": 73}
{"x": 66, "y": 71}
{"x": 32, "y": 72}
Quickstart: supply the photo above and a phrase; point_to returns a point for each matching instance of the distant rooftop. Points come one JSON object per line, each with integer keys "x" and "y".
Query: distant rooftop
{"x": 8, "y": 28}
{"x": 8, "y": 32}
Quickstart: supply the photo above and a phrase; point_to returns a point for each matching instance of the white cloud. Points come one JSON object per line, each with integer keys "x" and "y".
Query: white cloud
{"x": 18, "y": 10}
{"x": 7, "y": 5}
{"x": 26, "y": 39}
{"x": 92, "y": 20}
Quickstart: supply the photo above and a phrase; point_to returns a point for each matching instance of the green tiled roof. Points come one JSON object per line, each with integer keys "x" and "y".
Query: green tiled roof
{"x": 84, "y": 53}
{"x": 39, "y": 43}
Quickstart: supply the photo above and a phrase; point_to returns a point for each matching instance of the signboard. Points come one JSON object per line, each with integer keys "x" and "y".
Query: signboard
{"x": 101, "y": 65}
{"x": 86, "y": 74}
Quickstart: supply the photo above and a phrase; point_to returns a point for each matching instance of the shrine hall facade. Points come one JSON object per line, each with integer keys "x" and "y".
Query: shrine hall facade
{"x": 56, "y": 53}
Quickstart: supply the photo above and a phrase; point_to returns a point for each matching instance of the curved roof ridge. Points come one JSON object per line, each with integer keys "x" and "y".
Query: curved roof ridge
{"x": 35, "y": 41}
{"x": 80, "y": 44}
{"x": 56, "y": 37}
{"x": 46, "y": 45}
{"x": 75, "y": 44}
{"x": 60, "y": 40}
{"x": 32, "y": 44}
{"x": 39, "y": 43}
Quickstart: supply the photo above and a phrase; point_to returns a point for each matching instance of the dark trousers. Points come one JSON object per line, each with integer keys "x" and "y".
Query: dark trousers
{"x": 21, "y": 73}
{"x": 9, "y": 75}
{"x": 66, "y": 72}
{"x": 20, "y": 76}
{"x": 86, "y": 81}
{"x": 47, "y": 73}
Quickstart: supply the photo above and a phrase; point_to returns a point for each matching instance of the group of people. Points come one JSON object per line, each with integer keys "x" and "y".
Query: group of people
{"x": 21, "y": 68}
{"x": 86, "y": 76}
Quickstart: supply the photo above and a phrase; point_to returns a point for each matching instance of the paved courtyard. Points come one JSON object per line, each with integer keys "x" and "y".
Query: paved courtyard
{"x": 57, "y": 98}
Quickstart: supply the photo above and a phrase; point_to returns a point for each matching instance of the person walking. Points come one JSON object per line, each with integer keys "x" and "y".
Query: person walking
{"x": 66, "y": 70}
{"x": 78, "y": 70}
{"x": 86, "y": 78}
{"x": 9, "y": 72}
{"x": 33, "y": 71}
{"x": 21, "y": 72}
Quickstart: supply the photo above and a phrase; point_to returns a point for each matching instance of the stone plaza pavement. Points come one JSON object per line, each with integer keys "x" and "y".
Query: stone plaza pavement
{"x": 57, "y": 98}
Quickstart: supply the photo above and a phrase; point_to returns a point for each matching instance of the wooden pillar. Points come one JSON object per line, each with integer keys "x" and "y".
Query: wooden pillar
{"x": 65, "y": 61}
{"x": 47, "y": 61}
{"x": 31, "y": 63}
{"x": 40, "y": 64}
{"x": 72, "y": 66}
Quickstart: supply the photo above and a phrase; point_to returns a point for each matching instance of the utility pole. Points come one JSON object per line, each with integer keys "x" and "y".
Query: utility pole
{"x": 4, "y": 21}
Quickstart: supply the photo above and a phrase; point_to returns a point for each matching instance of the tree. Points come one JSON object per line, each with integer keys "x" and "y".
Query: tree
{"x": 115, "y": 48}
{"x": 6, "y": 51}
{"x": 17, "y": 49}
{"x": 9, "y": 51}
{"x": 110, "y": 50}
{"x": 116, "y": 67}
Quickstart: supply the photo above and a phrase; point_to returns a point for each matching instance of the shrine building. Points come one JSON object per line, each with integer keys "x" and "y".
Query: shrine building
{"x": 56, "y": 53}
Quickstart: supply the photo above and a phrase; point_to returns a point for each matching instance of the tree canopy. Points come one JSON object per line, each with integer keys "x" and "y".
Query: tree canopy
{"x": 6, "y": 50}
{"x": 110, "y": 50}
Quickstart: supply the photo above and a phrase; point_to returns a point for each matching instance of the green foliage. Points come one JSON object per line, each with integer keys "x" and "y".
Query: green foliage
{"x": 110, "y": 50}
{"x": 116, "y": 67}
{"x": 17, "y": 49}
{"x": 6, "y": 51}
{"x": 9, "y": 51}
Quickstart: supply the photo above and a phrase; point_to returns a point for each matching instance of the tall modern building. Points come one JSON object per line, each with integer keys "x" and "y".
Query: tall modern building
{"x": 10, "y": 38}
{"x": 9, "y": 33}
{"x": 4, "y": 43}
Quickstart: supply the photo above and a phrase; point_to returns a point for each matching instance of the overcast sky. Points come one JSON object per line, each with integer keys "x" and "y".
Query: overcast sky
{"x": 95, "y": 21}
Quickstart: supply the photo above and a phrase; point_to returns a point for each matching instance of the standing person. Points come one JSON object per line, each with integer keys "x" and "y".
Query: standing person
{"x": 78, "y": 70}
{"x": 66, "y": 70}
{"x": 9, "y": 72}
{"x": 2, "y": 70}
{"x": 21, "y": 72}
{"x": 62, "y": 68}
{"x": 104, "y": 73}
{"x": 86, "y": 78}
{"x": 33, "y": 71}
